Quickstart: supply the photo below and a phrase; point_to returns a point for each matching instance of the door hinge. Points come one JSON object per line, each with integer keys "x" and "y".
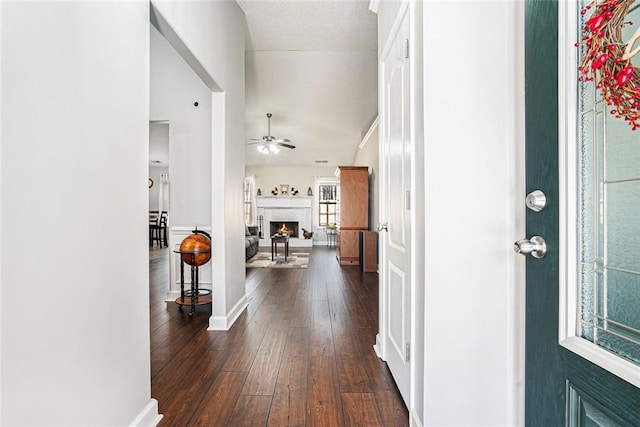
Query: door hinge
{"x": 406, "y": 48}
{"x": 407, "y": 352}
{"x": 407, "y": 199}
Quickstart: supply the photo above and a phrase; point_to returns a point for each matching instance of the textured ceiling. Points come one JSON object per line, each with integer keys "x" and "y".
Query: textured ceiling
{"x": 313, "y": 65}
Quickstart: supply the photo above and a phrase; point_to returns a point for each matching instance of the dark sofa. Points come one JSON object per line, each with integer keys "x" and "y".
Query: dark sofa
{"x": 251, "y": 241}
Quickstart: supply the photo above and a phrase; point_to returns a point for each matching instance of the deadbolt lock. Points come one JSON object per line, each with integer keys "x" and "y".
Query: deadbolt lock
{"x": 536, "y": 200}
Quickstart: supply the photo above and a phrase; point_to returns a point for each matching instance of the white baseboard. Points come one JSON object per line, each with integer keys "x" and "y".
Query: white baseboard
{"x": 377, "y": 347}
{"x": 149, "y": 416}
{"x": 172, "y": 296}
{"x": 223, "y": 323}
{"x": 414, "y": 419}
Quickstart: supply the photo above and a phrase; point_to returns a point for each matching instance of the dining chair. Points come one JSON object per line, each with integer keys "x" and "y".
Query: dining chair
{"x": 162, "y": 229}
{"x": 154, "y": 229}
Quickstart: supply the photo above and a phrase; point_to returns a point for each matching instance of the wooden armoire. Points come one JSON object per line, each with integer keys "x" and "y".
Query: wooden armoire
{"x": 354, "y": 211}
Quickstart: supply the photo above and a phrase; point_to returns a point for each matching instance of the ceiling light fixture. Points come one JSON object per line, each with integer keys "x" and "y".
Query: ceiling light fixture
{"x": 269, "y": 147}
{"x": 269, "y": 144}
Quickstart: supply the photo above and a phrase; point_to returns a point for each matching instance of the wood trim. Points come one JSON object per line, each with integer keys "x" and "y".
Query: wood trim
{"x": 354, "y": 197}
{"x": 351, "y": 168}
{"x": 348, "y": 247}
{"x": 368, "y": 251}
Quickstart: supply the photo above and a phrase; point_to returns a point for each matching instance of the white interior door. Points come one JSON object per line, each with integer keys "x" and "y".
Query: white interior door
{"x": 395, "y": 159}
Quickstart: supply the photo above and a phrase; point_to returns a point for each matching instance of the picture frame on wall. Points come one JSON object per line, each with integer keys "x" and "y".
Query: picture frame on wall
{"x": 284, "y": 189}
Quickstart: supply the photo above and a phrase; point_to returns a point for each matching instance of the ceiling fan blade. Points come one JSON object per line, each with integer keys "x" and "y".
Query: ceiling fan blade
{"x": 282, "y": 144}
{"x": 255, "y": 139}
{"x": 269, "y": 140}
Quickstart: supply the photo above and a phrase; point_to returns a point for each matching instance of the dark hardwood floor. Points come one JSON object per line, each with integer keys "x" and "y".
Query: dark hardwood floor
{"x": 300, "y": 355}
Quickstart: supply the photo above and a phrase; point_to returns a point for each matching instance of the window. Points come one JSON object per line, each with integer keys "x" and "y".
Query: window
{"x": 328, "y": 204}
{"x": 609, "y": 182}
{"x": 599, "y": 184}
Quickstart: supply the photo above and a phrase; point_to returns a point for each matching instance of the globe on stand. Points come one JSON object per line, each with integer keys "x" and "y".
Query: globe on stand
{"x": 199, "y": 243}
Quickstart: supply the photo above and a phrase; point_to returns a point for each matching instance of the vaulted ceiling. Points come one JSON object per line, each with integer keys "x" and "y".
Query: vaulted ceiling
{"x": 313, "y": 65}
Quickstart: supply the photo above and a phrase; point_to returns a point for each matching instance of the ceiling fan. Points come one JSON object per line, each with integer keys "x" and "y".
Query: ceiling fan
{"x": 270, "y": 144}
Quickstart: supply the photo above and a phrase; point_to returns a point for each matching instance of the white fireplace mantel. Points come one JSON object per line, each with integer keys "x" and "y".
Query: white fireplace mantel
{"x": 285, "y": 208}
{"x": 284, "y": 202}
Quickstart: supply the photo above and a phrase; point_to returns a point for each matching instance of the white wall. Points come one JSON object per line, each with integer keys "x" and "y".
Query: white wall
{"x": 300, "y": 177}
{"x": 75, "y": 287}
{"x": 174, "y": 88}
{"x": 367, "y": 155}
{"x": 470, "y": 360}
{"x": 473, "y": 211}
{"x": 210, "y": 36}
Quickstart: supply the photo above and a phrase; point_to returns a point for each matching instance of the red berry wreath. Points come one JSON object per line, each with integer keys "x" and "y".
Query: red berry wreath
{"x": 607, "y": 59}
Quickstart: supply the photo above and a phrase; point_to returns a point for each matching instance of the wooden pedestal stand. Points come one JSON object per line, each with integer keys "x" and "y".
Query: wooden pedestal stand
{"x": 195, "y": 295}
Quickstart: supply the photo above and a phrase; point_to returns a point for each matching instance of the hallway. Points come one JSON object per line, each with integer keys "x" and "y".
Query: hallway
{"x": 301, "y": 353}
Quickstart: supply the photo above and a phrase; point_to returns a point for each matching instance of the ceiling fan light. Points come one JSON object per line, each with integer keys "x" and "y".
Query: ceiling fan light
{"x": 269, "y": 144}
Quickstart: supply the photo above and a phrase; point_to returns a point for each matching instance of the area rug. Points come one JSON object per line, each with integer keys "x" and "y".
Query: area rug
{"x": 294, "y": 260}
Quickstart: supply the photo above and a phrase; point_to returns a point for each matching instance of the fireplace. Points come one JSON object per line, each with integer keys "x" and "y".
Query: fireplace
{"x": 289, "y": 227}
{"x": 294, "y": 212}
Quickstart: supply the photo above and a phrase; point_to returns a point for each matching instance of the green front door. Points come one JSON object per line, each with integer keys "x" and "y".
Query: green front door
{"x": 561, "y": 387}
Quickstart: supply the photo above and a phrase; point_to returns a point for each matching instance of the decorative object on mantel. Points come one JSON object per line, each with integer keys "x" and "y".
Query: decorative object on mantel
{"x": 309, "y": 192}
{"x": 607, "y": 59}
{"x": 307, "y": 234}
{"x": 259, "y": 193}
{"x": 284, "y": 189}
{"x": 274, "y": 191}
{"x": 294, "y": 192}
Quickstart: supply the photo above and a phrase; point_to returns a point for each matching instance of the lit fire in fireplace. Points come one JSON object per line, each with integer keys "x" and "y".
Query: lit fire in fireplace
{"x": 283, "y": 229}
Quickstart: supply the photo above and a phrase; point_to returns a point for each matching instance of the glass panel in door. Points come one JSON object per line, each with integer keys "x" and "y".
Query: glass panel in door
{"x": 609, "y": 221}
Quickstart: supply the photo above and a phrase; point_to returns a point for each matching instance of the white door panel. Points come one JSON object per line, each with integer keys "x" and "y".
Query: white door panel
{"x": 396, "y": 87}
{"x": 395, "y": 182}
{"x": 398, "y": 321}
